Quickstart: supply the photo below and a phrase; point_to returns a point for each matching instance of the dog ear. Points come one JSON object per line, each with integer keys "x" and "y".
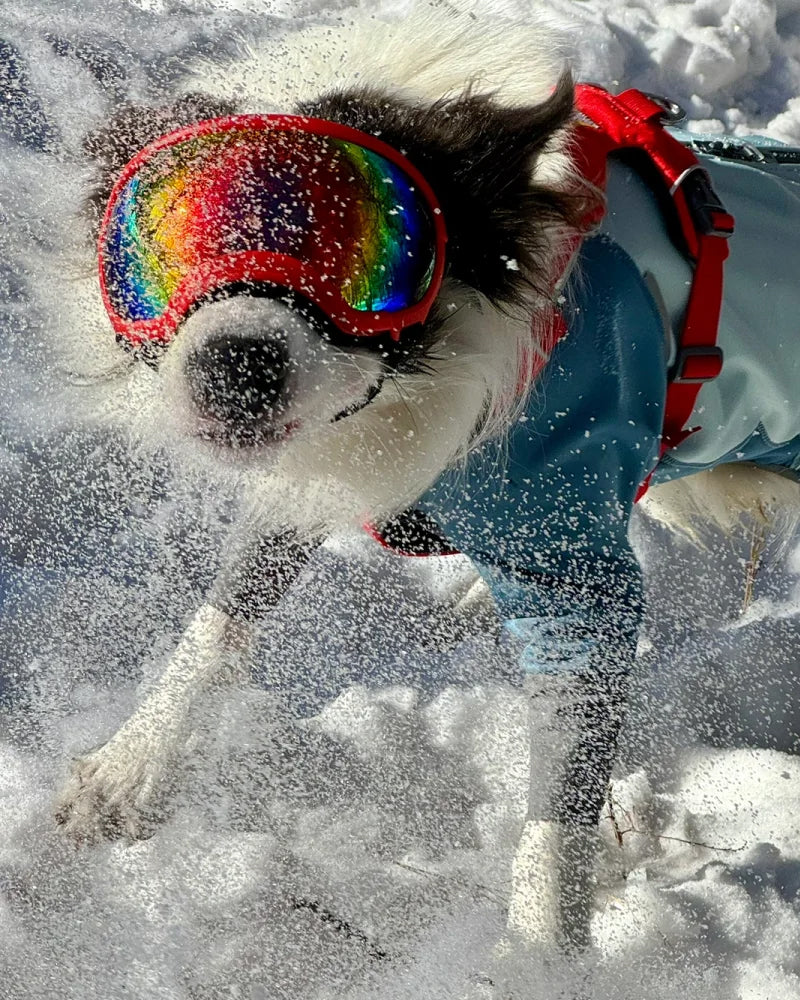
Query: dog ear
{"x": 499, "y": 215}
{"x": 479, "y": 157}
{"x": 131, "y": 128}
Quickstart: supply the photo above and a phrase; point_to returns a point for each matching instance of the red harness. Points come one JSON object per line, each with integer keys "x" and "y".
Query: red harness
{"x": 634, "y": 121}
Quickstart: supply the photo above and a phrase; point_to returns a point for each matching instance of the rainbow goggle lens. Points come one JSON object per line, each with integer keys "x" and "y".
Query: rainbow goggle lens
{"x": 324, "y": 210}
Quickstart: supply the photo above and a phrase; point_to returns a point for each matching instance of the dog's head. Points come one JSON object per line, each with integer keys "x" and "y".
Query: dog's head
{"x": 271, "y": 266}
{"x": 258, "y": 354}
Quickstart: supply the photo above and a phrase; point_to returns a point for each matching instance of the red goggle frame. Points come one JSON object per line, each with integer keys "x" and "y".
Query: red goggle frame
{"x": 329, "y": 212}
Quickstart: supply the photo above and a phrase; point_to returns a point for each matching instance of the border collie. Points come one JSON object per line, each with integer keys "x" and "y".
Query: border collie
{"x": 338, "y": 264}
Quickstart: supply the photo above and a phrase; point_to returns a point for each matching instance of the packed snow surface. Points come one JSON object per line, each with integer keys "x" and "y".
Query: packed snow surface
{"x": 345, "y": 827}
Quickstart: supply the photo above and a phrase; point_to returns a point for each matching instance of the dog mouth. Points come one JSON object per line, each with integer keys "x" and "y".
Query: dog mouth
{"x": 245, "y": 438}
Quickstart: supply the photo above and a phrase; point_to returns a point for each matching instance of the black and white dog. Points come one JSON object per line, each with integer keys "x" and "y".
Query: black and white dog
{"x": 334, "y": 426}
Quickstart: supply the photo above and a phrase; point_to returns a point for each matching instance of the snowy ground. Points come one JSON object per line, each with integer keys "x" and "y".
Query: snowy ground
{"x": 348, "y": 830}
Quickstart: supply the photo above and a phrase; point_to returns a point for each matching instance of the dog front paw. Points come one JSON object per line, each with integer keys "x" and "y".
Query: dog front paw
{"x": 113, "y": 792}
{"x": 552, "y": 896}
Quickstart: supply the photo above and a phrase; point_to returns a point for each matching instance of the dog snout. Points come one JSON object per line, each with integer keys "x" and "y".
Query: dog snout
{"x": 240, "y": 382}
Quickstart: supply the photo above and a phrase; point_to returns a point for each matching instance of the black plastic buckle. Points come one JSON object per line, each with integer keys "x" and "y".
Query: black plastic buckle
{"x": 704, "y": 205}
{"x": 730, "y": 149}
{"x": 685, "y": 354}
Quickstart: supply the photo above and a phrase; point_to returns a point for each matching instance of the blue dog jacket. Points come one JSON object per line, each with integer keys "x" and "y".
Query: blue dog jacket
{"x": 544, "y": 514}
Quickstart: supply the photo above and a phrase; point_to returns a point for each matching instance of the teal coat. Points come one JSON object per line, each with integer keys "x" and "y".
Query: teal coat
{"x": 544, "y": 514}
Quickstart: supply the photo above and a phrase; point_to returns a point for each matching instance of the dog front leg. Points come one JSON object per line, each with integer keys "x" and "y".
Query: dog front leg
{"x": 114, "y": 791}
{"x": 575, "y": 723}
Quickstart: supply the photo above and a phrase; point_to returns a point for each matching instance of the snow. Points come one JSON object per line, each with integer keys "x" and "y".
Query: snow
{"x": 348, "y": 831}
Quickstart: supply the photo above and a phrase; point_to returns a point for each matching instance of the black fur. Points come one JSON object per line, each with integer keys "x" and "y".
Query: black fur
{"x": 478, "y": 157}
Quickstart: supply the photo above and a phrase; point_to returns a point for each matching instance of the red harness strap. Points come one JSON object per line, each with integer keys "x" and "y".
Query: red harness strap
{"x": 634, "y": 121}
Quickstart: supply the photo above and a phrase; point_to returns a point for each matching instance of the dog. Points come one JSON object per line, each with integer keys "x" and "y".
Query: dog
{"x": 510, "y": 403}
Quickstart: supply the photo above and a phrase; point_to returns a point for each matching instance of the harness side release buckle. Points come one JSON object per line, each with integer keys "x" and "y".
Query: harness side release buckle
{"x": 707, "y": 211}
{"x": 695, "y": 365}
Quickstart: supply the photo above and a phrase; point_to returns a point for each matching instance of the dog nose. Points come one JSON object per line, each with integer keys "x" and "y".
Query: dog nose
{"x": 241, "y": 382}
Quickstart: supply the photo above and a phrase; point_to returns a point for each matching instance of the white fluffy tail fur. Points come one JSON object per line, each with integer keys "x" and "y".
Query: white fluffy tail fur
{"x": 721, "y": 498}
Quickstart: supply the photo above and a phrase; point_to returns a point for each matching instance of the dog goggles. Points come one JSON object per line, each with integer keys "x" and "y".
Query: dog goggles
{"x": 319, "y": 208}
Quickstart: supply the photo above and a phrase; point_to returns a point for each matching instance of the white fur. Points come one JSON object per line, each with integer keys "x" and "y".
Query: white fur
{"x": 719, "y": 498}
{"x": 549, "y": 855}
{"x": 381, "y": 459}
{"x": 436, "y": 52}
